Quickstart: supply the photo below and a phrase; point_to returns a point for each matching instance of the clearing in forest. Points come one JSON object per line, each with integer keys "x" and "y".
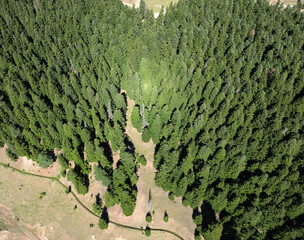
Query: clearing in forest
{"x": 180, "y": 217}
{"x": 155, "y": 5}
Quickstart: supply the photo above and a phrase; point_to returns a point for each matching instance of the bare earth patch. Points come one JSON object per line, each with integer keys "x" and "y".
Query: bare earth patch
{"x": 28, "y": 165}
{"x": 11, "y": 229}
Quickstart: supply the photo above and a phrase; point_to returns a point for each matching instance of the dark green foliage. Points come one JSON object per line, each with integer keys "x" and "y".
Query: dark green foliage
{"x": 146, "y": 135}
{"x": 123, "y": 186}
{"x": 218, "y": 86}
{"x": 147, "y": 231}
{"x": 166, "y": 217}
{"x": 102, "y": 175}
{"x": 79, "y": 180}
{"x": 11, "y": 155}
{"x": 148, "y": 217}
{"x": 136, "y": 119}
{"x": 45, "y": 160}
{"x": 103, "y": 222}
{"x": 64, "y": 164}
{"x": 142, "y": 160}
{"x": 215, "y": 232}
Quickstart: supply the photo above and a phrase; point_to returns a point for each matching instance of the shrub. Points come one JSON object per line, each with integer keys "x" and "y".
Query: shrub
{"x": 166, "y": 217}
{"x": 148, "y": 231}
{"x": 45, "y": 160}
{"x": 142, "y": 160}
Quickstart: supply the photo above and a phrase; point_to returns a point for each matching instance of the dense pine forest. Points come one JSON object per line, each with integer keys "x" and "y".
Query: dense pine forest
{"x": 218, "y": 86}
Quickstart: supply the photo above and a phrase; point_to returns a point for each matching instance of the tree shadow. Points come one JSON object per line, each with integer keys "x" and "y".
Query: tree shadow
{"x": 129, "y": 146}
{"x": 208, "y": 215}
{"x": 105, "y": 215}
{"x": 98, "y": 200}
{"x": 195, "y": 213}
{"x": 107, "y": 151}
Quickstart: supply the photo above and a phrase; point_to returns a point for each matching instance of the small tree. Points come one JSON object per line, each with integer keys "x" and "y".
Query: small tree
{"x": 45, "y": 160}
{"x": 136, "y": 119}
{"x": 142, "y": 160}
{"x": 171, "y": 196}
{"x": 147, "y": 231}
{"x": 102, "y": 224}
{"x": 64, "y": 164}
{"x": 146, "y": 135}
{"x": 149, "y": 217}
{"x": 166, "y": 217}
{"x": 97, "y": 206}
{"x": 101, "y": 175}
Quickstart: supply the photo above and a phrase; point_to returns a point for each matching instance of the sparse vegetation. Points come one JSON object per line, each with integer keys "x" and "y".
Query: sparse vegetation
{"x": 42, "y": 194}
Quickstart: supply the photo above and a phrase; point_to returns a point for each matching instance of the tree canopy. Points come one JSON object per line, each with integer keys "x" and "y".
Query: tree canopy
{"x": 218, "y": 86}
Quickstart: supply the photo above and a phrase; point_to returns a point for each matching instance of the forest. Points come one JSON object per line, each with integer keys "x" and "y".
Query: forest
{"x": 218, "y": 86}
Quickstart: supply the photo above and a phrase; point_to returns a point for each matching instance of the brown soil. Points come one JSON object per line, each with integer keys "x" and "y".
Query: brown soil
{"x": 11, "y": 229}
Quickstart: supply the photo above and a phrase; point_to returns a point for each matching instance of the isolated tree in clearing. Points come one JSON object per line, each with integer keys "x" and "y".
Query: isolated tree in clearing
{"x": 149, "y": 217}
{"x": 147, "y": 231}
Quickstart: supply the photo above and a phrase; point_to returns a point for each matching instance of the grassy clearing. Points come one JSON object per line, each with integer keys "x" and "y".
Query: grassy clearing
{"x": 287, "y": 2}
{"x": 155, "y": 5}
{"x": 135, "y": 231}
{"x": 55, "y": 211}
